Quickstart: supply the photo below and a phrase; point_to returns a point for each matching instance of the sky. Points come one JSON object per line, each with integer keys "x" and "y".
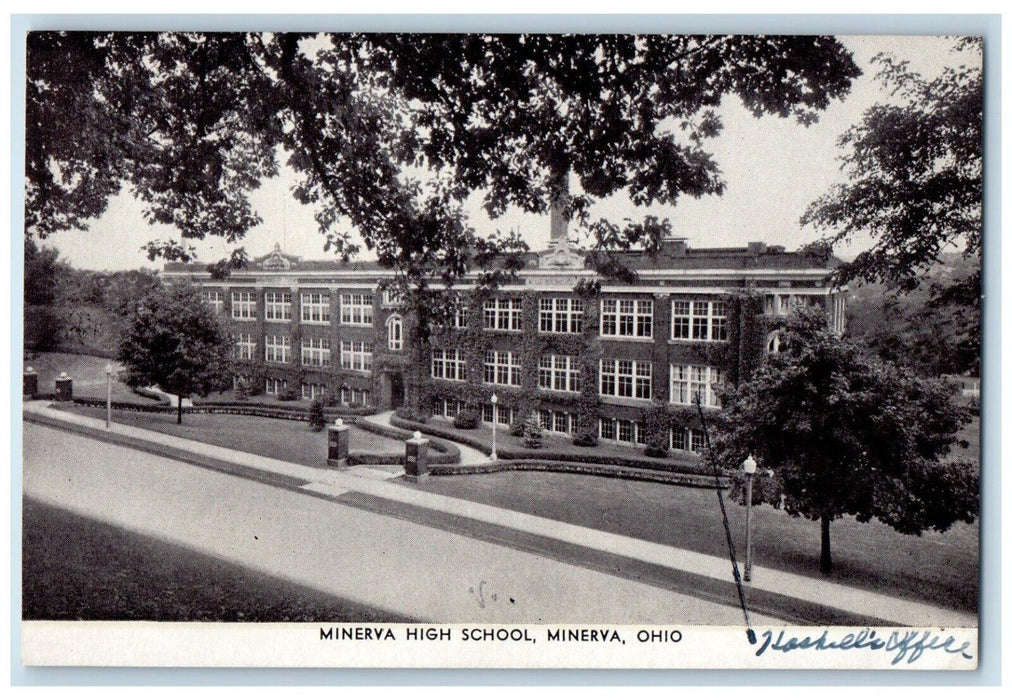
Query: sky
{"x": 773, "y": 169}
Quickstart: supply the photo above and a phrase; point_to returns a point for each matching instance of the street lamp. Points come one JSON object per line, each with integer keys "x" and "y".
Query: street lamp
{"x": 749, "y": 466}
{"x": 108, "y": 396}
{"x": 495, "y": 400}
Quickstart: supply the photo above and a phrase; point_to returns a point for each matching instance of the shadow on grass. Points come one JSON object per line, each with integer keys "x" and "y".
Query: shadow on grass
{"x": 80, "y": 569}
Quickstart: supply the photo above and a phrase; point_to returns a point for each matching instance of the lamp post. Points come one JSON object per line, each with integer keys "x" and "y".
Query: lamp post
{"x": 749, "y": 466}
{"x": 108, "y": 396}
{"x": 495, "y": 400}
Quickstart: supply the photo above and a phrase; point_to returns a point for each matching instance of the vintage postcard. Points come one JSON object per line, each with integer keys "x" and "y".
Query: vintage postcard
{"x": 502, "y": 350}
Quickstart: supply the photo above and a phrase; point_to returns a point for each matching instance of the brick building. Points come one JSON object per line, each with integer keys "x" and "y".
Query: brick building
{"x": 617, "y": 362}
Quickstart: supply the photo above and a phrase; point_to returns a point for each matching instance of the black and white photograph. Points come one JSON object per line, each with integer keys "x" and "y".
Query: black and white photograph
{"x": 502, "y": 349}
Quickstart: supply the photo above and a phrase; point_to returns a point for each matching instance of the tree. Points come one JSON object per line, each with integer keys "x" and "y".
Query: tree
{"x": 915, "y": 173}
{"x": 389, "y": 133}
{"x": 847, "y": 434}
{"x": 176, "y": 341}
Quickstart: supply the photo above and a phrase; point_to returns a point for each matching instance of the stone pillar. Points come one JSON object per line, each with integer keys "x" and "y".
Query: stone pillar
{"x": 30, "y": 383}
{"x": 64, "y": 388}
{"x": 416, "y": 458}
{"x": 338, "y": 440}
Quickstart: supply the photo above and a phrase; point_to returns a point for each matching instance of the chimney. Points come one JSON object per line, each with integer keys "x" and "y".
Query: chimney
{"x": 756, "y": 248}
{"x": 559, "y": 224}
{"x": 674, "y": 247}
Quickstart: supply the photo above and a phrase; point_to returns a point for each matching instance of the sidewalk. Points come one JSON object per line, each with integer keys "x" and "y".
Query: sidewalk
{"x": 332, "y": 483}
{"x": 469, "y": 456}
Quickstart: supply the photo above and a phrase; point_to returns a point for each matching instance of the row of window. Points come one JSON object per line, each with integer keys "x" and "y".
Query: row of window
{"x": 619, "y": 378}
{"x": 274, "y": 387}
{"x": 618, "y": 430}
{"x": 697, "y": 320}
{"x": 355, "y": 354}
{"x": 355, "y": 309}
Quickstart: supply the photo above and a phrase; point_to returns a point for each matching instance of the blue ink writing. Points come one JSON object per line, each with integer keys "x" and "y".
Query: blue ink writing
{"x": 909, "y": 646}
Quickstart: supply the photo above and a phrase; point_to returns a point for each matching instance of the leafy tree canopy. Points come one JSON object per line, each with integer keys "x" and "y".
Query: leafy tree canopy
{"x": 914, "y": 174}
{"x": 176, "y": 341}
{"x": 388, "y": 133}
{"x": 846, "y": 434}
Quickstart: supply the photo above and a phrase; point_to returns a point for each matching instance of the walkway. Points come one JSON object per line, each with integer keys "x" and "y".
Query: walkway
{"x": 469, "y": 456}
{"x": 331, "y": 483}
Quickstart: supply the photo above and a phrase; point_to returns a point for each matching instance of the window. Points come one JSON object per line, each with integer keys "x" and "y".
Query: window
{"x": 688, "y": 380}
{"x": 557, "y": 421}
{"x": 244, "y": 306}
{"x": 558, "y": 373}
{"x": 625, "y": 378}
{"x": 560, "y": 315}
{"x": 773, "y": 341}
{"x": 356, "y": 309}
{"x": 687, "y": 439}
{"x": 275, "y": 386}
{"x": 244, "y": 346}
{"x": 839, "y": 314}
{"x": 315, "y": 307}
{"x": 277, "y": 348}
{"x": 278, "y": 306}
{"x": 627, "y": 318}
{"x": 503, "y": 315}
{"x": 446, "y": 408}
{"x": 621, "y": 430}
{"x": 503, "y": 415}
{"x": 351, "y": 396}
{"x": 316, "y": 352}
{"x": 502, "y": 367}
{"x": 395, "y": 332}
{"x": 314, "y": 391}
{"x": 698, "y": 320}
{"x": 356, "y": 355}
{"x": 214, "y": 298}
{"x": 392, "y": 297}
{"x": 448, "y": 364}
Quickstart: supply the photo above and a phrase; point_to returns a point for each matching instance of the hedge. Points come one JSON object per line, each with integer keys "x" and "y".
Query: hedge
{"x": 226, "y": 408}
{"x": 511, "y": 453}
{"x": 447, "y": 448}
{"x": 612, "y": 471}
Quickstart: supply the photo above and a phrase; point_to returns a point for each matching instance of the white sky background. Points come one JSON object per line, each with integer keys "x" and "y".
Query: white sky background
{"x": 773, "y": 168}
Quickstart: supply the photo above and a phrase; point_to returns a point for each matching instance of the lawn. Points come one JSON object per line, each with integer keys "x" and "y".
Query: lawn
{"x": 87, "y": 372}
{"x": 289, "y": 440}
{"x": 939, "y": 568}
{"x": 79, "y": 569}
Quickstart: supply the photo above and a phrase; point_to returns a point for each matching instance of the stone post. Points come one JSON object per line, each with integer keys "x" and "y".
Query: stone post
{"x": 338, "y": 439}
{"x": 64, "y": 388}
{"x": 30, "y": 383}
{"x": 416, "y": 458}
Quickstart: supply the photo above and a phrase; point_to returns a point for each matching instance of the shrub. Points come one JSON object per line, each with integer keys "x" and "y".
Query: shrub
{"x": 317, "y": 420}
{"x": 585, "y": 439}
{"x": 330, "y": 400}
{"x": 532, "y": 432}
{"x": 468, "y": 419}
{"x": 408, "y": 413}
{"x": 289, "y": 394}
{"x": 517, "y": 428}
{"x": 241, "y": 391}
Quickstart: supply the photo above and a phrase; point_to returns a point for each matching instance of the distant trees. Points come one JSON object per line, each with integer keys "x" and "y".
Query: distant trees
{"x": 847, "y": 434}
{"x": 176, "y": 341}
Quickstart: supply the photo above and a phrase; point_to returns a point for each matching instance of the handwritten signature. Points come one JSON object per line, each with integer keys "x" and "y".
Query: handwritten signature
{"x": 908, "y": 646}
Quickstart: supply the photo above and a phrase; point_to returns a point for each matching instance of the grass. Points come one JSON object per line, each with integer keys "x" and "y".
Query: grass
{"x": 938, "y": 568}
{"x": 87, "y": 372}
{"x": 288, "y": 440}
{"x": 80, "y": 569}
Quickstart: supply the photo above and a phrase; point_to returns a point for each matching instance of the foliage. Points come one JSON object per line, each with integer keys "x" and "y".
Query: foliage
{"x": 657, "y": 424}
{"x": 468, "y": 419}
{"x": 317, "y": 419}
{"x": 408, "y": 413}
{"x": 926, "y": 329}
{"x": 914, "y": 172}
{"x": 175, "y": 341}
{"x": 194, "y": 122}
{"x": 289, "y": 394}
{"x": 532, "y": 431}
{"x": 845, "y": 433}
